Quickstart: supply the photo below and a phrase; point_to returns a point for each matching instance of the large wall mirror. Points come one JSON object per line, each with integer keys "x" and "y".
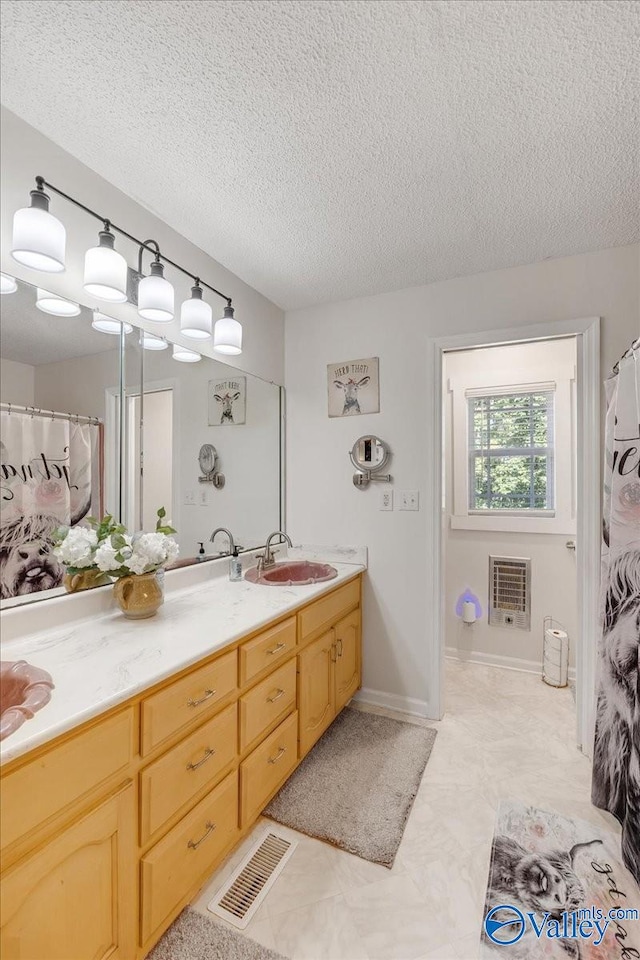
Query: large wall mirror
{"x": 97, "y": 422}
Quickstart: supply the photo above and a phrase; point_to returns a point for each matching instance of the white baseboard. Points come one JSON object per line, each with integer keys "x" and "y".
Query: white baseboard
{"x": 392, "y": 701}
{"x": 494, "y": 660}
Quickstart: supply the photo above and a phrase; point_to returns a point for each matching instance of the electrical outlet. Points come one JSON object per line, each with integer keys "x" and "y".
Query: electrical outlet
{"x": 203, "y": 496}
{"x": 189, "y": 498}
{"x": 386, "y": 499}
{"x": 409, "y": 500}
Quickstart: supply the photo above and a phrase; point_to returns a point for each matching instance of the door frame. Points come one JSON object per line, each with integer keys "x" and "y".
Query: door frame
{"x": 588, "y": 505}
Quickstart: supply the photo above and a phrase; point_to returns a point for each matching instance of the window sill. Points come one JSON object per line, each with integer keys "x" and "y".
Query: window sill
{"x": 515, "y": 524}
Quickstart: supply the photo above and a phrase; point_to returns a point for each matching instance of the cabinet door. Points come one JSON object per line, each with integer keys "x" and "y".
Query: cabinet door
{"x": 75, "y": 898}
{"x": 316, "y": 689}
{"x": 347, "y": 665}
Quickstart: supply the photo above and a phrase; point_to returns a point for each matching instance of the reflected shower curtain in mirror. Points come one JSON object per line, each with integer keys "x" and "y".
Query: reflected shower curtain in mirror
{"x": 50, "y": 474}
{"x": 616, "y": 760}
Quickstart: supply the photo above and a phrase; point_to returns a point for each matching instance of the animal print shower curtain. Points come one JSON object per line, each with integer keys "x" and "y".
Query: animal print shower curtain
{"x": 50, "y": 475}
{"x": 616, "y": 762}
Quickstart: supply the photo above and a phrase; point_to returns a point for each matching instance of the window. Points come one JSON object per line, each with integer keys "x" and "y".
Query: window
{"x": 511, "y": 452}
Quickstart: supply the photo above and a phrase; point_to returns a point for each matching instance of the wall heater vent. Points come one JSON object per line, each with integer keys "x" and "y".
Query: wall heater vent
{"x": 510, "y": 592}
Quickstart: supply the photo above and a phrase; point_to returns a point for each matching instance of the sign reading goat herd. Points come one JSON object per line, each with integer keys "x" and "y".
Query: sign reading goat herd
{"x": 227, "y": 402}
{"x": 353, "y": 387}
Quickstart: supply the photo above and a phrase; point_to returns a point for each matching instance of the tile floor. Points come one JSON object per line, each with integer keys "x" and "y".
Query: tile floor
{"x": 505, "y": 734}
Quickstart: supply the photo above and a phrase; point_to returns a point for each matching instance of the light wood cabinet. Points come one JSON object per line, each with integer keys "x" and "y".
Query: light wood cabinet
{"x": 108, "y": 832}
{"x": 316, "y": 698}
{"x": 75, "y": 898}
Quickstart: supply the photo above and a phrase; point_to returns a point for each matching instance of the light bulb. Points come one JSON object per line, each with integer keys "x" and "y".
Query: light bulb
{"x": 195, "y": 316}
{"x": 151, "y": 342}
{"x": 227, "y": 335}
{"x": 184, "y": 355}
{"x": 7, "y": 284}
{"x": 58, "y": 306}
{"x": 39, "y": 238}
{"x": 105, "y": 270}
{"x": 156, "y": 296}
{"x": 105, "y": 324}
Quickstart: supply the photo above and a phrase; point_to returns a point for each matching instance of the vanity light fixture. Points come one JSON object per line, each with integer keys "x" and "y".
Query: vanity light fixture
{"x": 184, "y": 355}
{"x": 105, "y": 270}
{"x": 156, "y": 296}
{"x": 227, "y": 335}
{"x": 39, "y": 242}
{"x": 51, "y": 303}
{"x": 7, "y": 284}
{"x": 39, "y": 238}
{"x": 104, "y": 324}
{"x": 195, "y": 316}
{"x": 150, "y": 342}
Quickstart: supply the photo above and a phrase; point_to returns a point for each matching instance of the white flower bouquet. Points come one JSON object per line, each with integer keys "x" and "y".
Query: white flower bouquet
{"x": 106, "y": 546}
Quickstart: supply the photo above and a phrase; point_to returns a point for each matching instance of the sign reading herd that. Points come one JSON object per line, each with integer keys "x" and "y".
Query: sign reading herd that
{"x": 353, "y": 387}
{"x": 227, "y": 402}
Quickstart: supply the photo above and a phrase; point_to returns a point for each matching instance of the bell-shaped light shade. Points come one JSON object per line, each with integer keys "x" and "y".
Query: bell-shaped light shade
{"x": 150, "y": 342}
{"x": 7, "y": 284}
{"x": 105, "y": 324}
{"x": 184, "y": 355}
{"x": 58, "y": 306}
{"x": 155, "y": 296}
{"x": 196, "y": 316}
{"x": 105, "y": 271}
{"x": 227, "y": 335}
{"x": 39, "y": 238}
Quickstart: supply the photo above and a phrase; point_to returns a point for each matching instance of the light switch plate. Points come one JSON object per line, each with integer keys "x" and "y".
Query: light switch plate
{"x": 386, "y": 499}
{"x": 203, "y": 496}
{"x": 189, "y": 498}
{"x": 409, "y": 500}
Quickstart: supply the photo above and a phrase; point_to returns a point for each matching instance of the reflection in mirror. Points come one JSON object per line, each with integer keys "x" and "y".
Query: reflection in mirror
{"x": 60, "y": 434}
{"x": 188, "y": 407}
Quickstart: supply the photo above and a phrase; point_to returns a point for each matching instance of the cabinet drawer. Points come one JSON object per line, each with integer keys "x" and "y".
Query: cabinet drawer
{"x": 265, "y": 650}
{"x": 42, "y": 788}
{"x": 267, "y": 703}
{"x": 187, "y": 700}
{"x": 267, "y": 768}
{"x": 323, "y": 613}
{"x": 187, "y": 854}
{"x": 170, "y": 782}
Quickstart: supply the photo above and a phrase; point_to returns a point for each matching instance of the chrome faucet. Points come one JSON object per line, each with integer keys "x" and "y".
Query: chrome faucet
{"x": 267, "y": 559}
{"x": 218, "y": 530}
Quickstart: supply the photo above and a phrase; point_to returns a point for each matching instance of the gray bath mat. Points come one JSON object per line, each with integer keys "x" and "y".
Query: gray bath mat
{"x": 356, "y": 786}
{"x": 194, "y": 937}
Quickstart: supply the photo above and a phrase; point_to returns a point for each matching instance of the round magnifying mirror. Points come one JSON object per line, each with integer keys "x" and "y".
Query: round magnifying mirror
{"x": 369, "y": 453}
{"x": 207, "y": 458}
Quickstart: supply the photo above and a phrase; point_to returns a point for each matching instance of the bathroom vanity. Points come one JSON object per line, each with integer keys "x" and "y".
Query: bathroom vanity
{"x": 163, "y": 742}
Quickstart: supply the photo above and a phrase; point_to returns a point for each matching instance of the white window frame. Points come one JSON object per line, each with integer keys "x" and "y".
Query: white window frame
{"x": 549, "y": 450}
{"x": 560, "y": 520}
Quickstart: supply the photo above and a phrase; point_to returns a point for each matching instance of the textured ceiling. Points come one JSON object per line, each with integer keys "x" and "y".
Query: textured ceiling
{"x": 324, "y": 149}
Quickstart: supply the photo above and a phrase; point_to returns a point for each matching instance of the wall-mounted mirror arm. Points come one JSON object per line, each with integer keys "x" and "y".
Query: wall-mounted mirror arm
{"x": 208, "y": 460}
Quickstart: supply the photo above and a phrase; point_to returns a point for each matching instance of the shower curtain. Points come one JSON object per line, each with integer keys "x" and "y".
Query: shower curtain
{"x": 616, "y": 761}
{"x": 50, "y": 475}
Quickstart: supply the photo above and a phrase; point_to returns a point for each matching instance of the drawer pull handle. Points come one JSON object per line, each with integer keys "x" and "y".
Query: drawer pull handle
{"x": 207, "y": 696}
{"x": 280, "y": 693}
{"x": 209, "y": 752}
{"x": 194, "y": 844}
{"x": 339, "y": 641}
{"x": 278, "y": 646}
{"x": 281, "y": 752}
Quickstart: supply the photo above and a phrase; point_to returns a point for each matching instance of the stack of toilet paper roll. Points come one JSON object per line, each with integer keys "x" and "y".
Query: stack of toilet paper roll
{"x": 555, "y": 661}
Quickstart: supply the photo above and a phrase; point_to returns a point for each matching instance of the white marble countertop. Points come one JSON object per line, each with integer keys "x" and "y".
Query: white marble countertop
{"x": 102, "y": 660}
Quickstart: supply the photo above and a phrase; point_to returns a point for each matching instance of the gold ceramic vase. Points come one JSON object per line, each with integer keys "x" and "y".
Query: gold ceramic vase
{"x": 85, "y": 580}
{"x": 139, "y": 595}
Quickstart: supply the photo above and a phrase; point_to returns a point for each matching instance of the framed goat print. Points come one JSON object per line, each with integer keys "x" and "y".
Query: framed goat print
{"x": 227, "y": 402}
{"x": 353, "y": 387}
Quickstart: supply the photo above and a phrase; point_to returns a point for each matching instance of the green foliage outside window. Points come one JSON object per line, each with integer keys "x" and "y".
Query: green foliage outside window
{"x": 511, "y": 452}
